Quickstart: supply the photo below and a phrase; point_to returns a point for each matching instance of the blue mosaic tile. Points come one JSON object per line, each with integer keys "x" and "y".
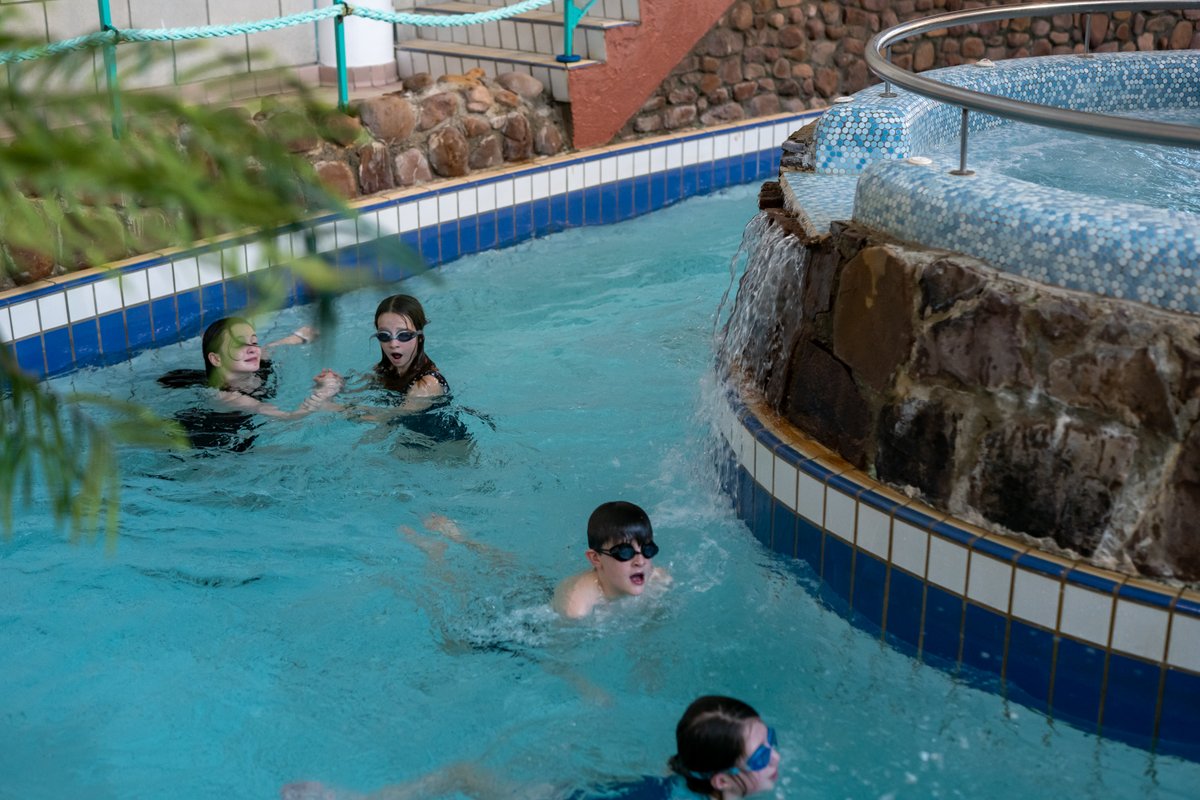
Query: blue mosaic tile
{"x": 212, "y": 302}
{"x": 763, "y": 517}
{"x": 609, "y": 204}
{"x": 837, "y": 567}
{"x": 1078, "y": 675}
{"x": 163, "y": 319}
{"x": 85, "y": 338}
{"x": 187, "y": 305}
{"x": 808, "y": 542}
{"x": 744, "y": 497}
{"x": 1177, "y": 725}
{"x": 112, "y": 333}
{"x": 505, "y": 227}
{"x": 541, "y": 216}
{"x": 137, "y": 322}
{"x": 448, "y": 245}
{"x": 468, "y": 235}
{"x": 488, "y": 236}
{"x": 429, "y": 245}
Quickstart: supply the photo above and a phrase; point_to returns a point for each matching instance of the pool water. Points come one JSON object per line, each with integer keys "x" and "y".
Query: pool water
{"x": 1153, "y": 175}
{"x": 262, "y": 620}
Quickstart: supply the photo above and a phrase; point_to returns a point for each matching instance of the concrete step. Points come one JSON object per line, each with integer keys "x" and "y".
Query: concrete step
{"x": 450, "y": 58}
{"x": 603, "y": 9}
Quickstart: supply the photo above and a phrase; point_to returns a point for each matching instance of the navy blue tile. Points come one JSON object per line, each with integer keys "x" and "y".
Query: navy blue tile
{"x": 658, "y": 191}
{"x": 1149, "y": 597}
{"x": 237, "y": 294}
{"x": 592, "y": 214}
{"x": 737, "y": 170}
{"x": 505, "y": 227}
{"x": 727, "y": 471}
{"x": 783, "y": 530}
{"x": 744, "y": 496}
{"x": 983, "y": 639}
{"x": 763, "y": 518}
{"x": 575, "y": 209}
{"x": 704, "y": 177}
{"x": 212, "y": 302}
{"x": 112, "y": 333}
{"x": 487, "y": 230}
{"x": 137, "y": 325}
{"x": 522, "y": 222}
{"x": 673, "y": 186}
{"x": 30, "y": 356}
{"x": 468, "y": 236}
{"x": 86, "y": 338}
{"x": 1078, "y": 674}
{"x": 541, "y": 216}
{"x": 625, "y": 204}
{"x": 720, "y": 174}
{"x": 187, "y": 305}
{"x": 954, "y": 533}
{"x": 844, "y": 485}
{"x": 59, "y": 357}
{"x": 1027, "y": 666}
{"x": 870, "y": 578}
{"x": 808, "y": 543}
{"x": 610, "y": 204}
{"x": 689, "y": 180}
{"x": 164, "y": 322}
{"x": 560, "y": 215}
{"x": 914, "y": 518}
{"x": 906, "y": 596}
{"x": 1092, "y": 581}
{"x": 837, "y": 559}
{"x": 1131, "y": 699}
{"x": 1177, "y": 725}
{"x": 943, "y": 625}
{"x": 641, "y": 194}
{"x": 448, "y": 241}
{"x": 429, "y": 243}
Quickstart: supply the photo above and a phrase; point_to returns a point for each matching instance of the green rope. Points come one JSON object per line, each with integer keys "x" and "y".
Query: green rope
{"x": 214, "y": 31}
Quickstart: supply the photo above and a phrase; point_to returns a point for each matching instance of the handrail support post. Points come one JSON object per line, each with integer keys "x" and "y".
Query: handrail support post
{"x": 339, "y": 45}
{"x": 962, "y": 149}
{"x": 110, "y": 72}
{"x": 571, "y": 16}
{"x": 1087, "y": 36}
{"x": 887, "y": 85}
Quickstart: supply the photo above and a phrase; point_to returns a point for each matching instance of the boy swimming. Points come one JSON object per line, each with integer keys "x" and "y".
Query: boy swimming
{"x": 620, "y": 549}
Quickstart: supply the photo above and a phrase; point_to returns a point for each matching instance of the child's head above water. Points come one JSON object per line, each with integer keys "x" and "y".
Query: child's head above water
{"x": 724, "y": 750}
{"x": 620, "y": 547}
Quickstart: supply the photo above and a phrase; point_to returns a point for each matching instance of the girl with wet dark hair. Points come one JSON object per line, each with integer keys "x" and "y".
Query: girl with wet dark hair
{"x": 403, "y": 364}
{"x": 724, "y": 750}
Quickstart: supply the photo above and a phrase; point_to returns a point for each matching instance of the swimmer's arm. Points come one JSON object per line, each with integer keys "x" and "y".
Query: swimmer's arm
{"x": 573, "y": 597}
{"x": 420, "y": 397}
{"x": 302, "y": 335}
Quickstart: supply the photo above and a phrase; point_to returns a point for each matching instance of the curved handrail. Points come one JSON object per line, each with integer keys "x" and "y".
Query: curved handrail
{"x": 1166, "y": 133}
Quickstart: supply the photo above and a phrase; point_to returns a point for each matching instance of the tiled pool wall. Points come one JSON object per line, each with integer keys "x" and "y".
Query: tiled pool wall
{"x": 1111, "y": 654}
{"x": 105, "y": 315}
{"x": 1123, "y": 250}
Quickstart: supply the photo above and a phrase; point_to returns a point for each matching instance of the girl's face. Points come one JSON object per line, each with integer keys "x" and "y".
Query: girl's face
{"x": 746, "y": 780}
{"x": 239, "y": 352}
{"x": 399, "y": 354}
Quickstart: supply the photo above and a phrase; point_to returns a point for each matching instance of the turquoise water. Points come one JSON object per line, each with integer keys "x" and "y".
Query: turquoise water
{"x": 262, "y": 621}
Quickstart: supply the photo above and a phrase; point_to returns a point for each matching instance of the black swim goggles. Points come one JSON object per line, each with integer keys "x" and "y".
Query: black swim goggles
{"x": 626, "y": 552}
{"x": 399, "y": 336}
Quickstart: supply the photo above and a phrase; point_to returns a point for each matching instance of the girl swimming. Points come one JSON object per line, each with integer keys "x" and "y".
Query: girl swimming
{"x": 403, "y": 366}
{"x": 724, "y": 750}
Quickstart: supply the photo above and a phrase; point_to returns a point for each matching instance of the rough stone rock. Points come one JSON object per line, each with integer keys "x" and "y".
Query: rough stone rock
{"x": 721, "y": 42}
{"x": 337, "y": 177}
{"x": 980, "y": 346}
{"x": 474, "y": 126}
{"x": 479, "y": 99}
{"x": 521, "y": 84}
{"x": 518, "y": 139}
{"x": 1165, "y": 543}
{"x": 826, "y": 81}
{"x": 1121, "y": 382}
{"x": 374, "y": 168}
{"x": 294, "y": 129}
{"x": 548, "y": 140}
{"x": 437, "y": 108}
{"x": 388, "y": 116}
{"x": 792, "y": 36}
{"x": 741, "y": 16}
{"x": 411, "y": 167}
{"x": 872, "y": 318}
{"x": 506, "y": 98}
{"x": 488, "y": 152}
{"x": 1181, "y": 35}
{"x": 342, "y": 129}
{"x": 419, "y": 82}
{"x": 727, "y": 112}
{"x": 28, "y": 266}
{"x": 823, "y": 400}
{"x": 915, "y": 442}
{"x": 449, "y": 152}
{"x": 679, "y": 117}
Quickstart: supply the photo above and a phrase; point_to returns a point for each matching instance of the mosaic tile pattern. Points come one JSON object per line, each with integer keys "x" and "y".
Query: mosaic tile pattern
{"x": 819, "y": 199}
{"x": 103, "y": 316}
{"x": 1100, "y": 650}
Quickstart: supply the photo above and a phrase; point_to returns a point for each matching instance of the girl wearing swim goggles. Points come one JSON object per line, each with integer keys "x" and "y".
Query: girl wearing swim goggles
{"x": 403, "y": 365}
{"x": 724, "y": 750}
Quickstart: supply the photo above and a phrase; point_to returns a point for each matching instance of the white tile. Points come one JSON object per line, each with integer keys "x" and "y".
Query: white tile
{"x": 1185, "y": 643}
{"x": 1086, "y": 614}
{"x": 810, "y": 499}
{"x": 990, "y": 582}
{"x": 784, "y": 484}
{"x": 210, "y": 269}
{"x": 839, "y": 514}
{"x": 691, "y": 151}
{"x": 558, "y": 181}
{"x": 782, "y": 132}
{"x": 81, "y": 303}
{"x": 522, "y": 189}
{"x": 256, "y": 257}
{"x": 624, "y": 166}
{"x": 874, "y": 530}
{"x": 326, "y": 235}
{"x": 299, "y": 244}
{"x": 767, "y": 140}
{"x": 504, "y": 194}
{"x": 608, "y": 169}
{"x": 161, "y": 280}
{"x": 5, "y": 326}
{"x": 658, "y": 159}
{"x": 947, "y": 564}
{"x": 408, "y": 217}
{"x": 764, "y": 465}
{"x": 591, "y": 173}
{"x": 281, "y": 251}
{"x": 187, "y": 273}
{"x": 1035, "y": 598}
{"x": 910, "y": 546}
{"x": 737, "y": 143}
{"x": 233, "y": 260}
{"x": 704, "y": 151}
{"x": 720, "y": 146}
{"x": 53, "y": 310}
{"x": 345, "y": 232}
{"x": 540, "y": 185}
{"x": 745, "y": 449}
{"x": 576, "y": 177}
{"x": 641, "y": 163}
{"x": 674, "y": 156}
{"x": 134, "y": 288}
{"x": 466, "y": 203}
{"x": 447, "y": 206}
{"x": 389, "y": 221}
{"x": 1140, "y": 630}
{"x": 108, "y": 295}
{"x": 559, "y": 87}
{"x": 25, "y": 320}
{"x": 427, "y": 212}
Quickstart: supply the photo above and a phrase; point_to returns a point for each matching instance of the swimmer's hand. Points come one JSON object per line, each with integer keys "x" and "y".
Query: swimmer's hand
{"x": 439, "y": 523}
{"x": 306, "y": 334}
{"x": 327, "y": 383}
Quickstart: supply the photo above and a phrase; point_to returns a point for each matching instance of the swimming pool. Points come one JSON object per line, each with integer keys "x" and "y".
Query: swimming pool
{"x": 261, "y": 621}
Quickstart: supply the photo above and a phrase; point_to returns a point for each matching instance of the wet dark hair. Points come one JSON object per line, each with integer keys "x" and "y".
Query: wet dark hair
{"x": 616, "y": 523}
{"x": 710, "y": 738}
{"x": 214, "y": 337}
{"x": 408, "y": 306}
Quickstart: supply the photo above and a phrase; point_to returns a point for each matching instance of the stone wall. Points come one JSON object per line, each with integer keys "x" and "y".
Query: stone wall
{"x": 767, "y": 56}
{"x": 1056, "y": 415}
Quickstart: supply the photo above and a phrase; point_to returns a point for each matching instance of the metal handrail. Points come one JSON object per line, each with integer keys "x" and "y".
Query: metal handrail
{"x": 1165, "y": 133}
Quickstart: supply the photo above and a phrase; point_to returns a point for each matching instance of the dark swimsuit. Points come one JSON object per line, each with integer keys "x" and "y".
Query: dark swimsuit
{"x": 208, "y": 429}
{"x": 439, "y": 422}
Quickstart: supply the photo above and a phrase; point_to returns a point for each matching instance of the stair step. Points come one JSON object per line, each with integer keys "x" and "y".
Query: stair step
{"x": 451, "y": 58}
{"x": 540, "y": 16}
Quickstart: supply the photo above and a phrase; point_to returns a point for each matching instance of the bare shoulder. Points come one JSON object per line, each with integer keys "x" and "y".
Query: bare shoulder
{"x": 428, "y": 386}
{"x": 576, "y": 595}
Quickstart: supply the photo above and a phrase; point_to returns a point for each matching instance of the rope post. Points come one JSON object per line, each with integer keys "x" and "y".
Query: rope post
{"x": 110, "y": 70}
{"x": 962, "y": 149}
{"x": 887, "y": 85}
{"x": 339, "y": 44}
{"x": 571, "y": 17}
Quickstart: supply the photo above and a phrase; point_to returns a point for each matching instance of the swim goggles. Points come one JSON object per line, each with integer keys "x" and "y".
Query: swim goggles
{"x": 399, "y": 336}
{"x": 626, "y": 552}
{"x": 757, "y": 761}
